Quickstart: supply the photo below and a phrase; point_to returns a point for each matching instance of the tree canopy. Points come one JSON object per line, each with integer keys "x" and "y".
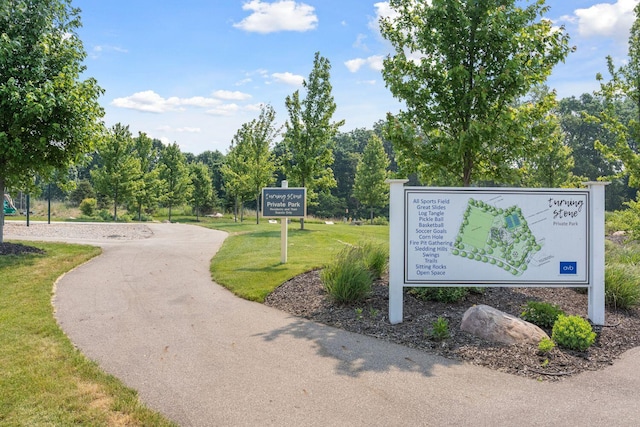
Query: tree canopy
{"x": 460, "y": 66}
{"x": 48, "y": 116}
{"x": 119, "y": 177}
{"x": 370, "y": 187}
{"x": 309, "y": 136}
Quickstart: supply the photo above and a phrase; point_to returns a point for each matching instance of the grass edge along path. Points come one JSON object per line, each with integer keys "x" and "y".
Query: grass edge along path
{"x": 45, "y": 380}
{"x": 248, "y": 263}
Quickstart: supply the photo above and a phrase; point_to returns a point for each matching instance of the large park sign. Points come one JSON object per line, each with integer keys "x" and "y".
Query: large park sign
{"x": 497, "y": 237}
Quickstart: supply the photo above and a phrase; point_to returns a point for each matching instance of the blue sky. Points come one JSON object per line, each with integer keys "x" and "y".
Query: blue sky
{"x": 192, "y": 71}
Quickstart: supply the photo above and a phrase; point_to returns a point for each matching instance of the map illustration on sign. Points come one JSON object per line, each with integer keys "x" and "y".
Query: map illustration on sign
{"x": 496, "y": 236}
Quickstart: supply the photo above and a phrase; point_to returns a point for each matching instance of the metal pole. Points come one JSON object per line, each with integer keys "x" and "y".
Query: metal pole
{"x": 28, "y": 200}
{"x": 49, "y": 204}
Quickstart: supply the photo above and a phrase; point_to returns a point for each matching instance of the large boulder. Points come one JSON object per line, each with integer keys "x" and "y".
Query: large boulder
{"x": 494, "y": 325}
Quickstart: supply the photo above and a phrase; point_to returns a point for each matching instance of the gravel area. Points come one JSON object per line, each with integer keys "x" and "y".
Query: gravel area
{"x": 71, "y": 230}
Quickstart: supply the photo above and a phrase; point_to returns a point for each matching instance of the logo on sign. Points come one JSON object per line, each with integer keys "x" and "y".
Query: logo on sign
{"x": 568, "y": 267}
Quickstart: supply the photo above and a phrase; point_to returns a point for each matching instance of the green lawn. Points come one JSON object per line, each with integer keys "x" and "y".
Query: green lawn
{"x": 249, "y": 261}
{"x": 44, "y": 380}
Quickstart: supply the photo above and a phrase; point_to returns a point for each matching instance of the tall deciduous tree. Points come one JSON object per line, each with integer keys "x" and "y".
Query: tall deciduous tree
{"x": 581, "y": 129}
{"x": 214, "y": 161}
{"x": 309, "y": 135}
{"x": 175, "y": 174}
{"x": 460, "y": 66}
{"x": 624, "y": 86}
{"x": 151, "y": 186}
{"x": 48, "y": 116}
{"x": 202, "y": 187}
{"x": 255, "y": 141}
{"x": 119, "y": 177}
{"x": 370, "y": 187}
{"x": 234, "y": 172}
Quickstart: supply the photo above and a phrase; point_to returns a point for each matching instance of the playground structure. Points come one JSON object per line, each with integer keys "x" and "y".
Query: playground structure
{"x": 9, "y": 207}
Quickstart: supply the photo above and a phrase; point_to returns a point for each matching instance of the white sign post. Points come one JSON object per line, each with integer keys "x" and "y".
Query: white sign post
{"x": 496, "y": 237}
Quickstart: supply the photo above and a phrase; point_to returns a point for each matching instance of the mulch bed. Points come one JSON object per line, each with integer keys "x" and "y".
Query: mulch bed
{"x": 18, "y": 249}
{"x": 305, "y": 297}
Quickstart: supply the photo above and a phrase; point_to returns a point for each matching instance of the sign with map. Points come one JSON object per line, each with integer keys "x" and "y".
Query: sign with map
{"x": 496, "y": 237}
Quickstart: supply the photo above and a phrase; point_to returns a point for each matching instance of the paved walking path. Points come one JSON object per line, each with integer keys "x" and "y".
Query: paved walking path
{"x": 147, "y": 311}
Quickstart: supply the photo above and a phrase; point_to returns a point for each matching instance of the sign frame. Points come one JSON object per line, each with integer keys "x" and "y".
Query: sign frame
{"x": 284, "y": 202}
{"x": 593, "y": 242}
{"x": 496, "y": 216}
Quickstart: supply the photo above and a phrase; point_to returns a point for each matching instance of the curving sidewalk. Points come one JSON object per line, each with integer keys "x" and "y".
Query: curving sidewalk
{"x": 148, "y": 312}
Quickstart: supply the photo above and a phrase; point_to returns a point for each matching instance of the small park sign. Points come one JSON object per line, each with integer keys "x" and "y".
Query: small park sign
{"x": 284, "y": 202}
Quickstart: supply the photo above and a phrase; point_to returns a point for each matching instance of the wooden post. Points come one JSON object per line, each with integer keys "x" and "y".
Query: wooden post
{"x": 596, "y": 243}
{"x": 396, "y": 252}
{"x": 284, "y": 232}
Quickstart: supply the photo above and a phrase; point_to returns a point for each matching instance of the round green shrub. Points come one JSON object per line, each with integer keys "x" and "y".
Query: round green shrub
{"x": 546, "y": 345}
{"x": 542, "y": 314}
{"x": 447, "y": 294}
{"x": 88, "y": 206}
{"x": 573, "y": 332}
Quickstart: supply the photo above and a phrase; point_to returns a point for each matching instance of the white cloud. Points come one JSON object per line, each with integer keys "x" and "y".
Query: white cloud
{"x": 383, "y": 10}
{"x": 359, "y": 43}
{"x": 231, "y": 95}
{"x": 608, "y": 20}
{"x": 224, "y": 110}
{"x": 374, "y": 62}
{"x": 288, "y": 78}
{"x": 282, "y": 15}
{"x": 254, "y": 107}
{"x": 98, "y": 50}
{"x": 355, "y": 64}
{"x": 167, "y": 128}
{"x": 151, "y": 102}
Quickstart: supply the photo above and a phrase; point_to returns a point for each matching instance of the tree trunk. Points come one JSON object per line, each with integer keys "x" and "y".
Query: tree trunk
{"x": 235, "y": 209}
{"x": 371, "y": 216}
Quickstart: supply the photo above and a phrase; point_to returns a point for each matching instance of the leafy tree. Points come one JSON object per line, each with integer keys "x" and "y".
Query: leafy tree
{"x": 202, "y": 187}
{"x": 254, "y": 141}
{"x": 48, "y": 116}
{"x": 370, "y": 187}
{"x": 214, "y": 161}
{"x": 175, "y": 174}
{"x": 459, "y": 66}
{"x": 578, "y": 118}
{"x": 83, "y": 190}
{"x": 151, "y": 186}
{"x": 347, "y": 152}
{"x": 236, "y": 178}
{"x": 551, "y": 163}
{"x": 624, "y": 87}
{"x": 309, "y": 135}
{"x": 119, "y": 176}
